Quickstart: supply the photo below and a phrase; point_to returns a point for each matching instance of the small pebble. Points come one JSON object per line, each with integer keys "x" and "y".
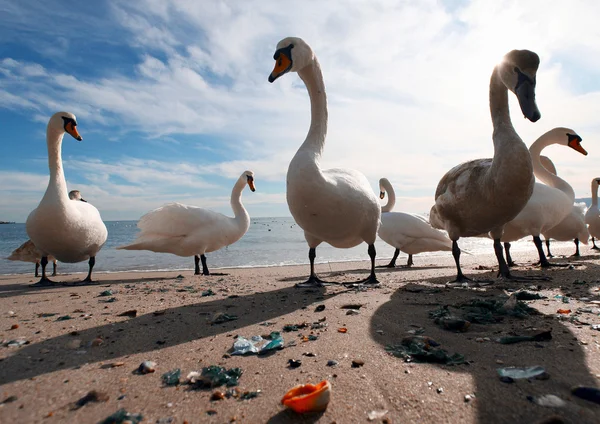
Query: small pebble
{"x": 96, "y": 342}
{"x": 294, "y": 363}
{"x": 357, "y": 363}
{"x": 147, "y": 367}
{"x": 320, "y": 308}
{"x": 14, "y": 326}
{"x": 332, "y": 363}
{"x": 468, "y": 398}
{"x": 440, "y": 390}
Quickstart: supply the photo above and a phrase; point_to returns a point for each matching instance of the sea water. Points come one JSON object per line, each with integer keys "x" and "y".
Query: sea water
{"x": 268, "y": 242}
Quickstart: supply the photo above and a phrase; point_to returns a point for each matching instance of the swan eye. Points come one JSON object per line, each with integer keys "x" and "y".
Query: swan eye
{"x": 574, "y": 137}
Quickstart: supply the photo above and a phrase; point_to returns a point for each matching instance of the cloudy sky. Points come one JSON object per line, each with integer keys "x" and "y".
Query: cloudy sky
{"x": 173, "y": 102}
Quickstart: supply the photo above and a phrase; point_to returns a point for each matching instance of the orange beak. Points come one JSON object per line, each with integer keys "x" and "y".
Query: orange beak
{"x": 72, "y": 129}
{"x": 251, "y": 185}
{"x": 282, "y": 65}
{"x": 381, "y": 194}
{"x": 576, "y": 145}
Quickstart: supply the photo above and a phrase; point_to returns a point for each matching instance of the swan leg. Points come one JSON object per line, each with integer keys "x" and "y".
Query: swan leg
{"x": 576, "y": 254}
{"x": 91, "y": 264}
{"x": 37, "y": 267}
{"x": 204, "y": 266}
{"x": 544, "y": 263}
{"x": 550, "y": 255}
{"x": 460, "y": 277}
{"x": 504, "y": 271}
{"x": 509, "y": 260}
{"x": 196, "y": 265}
{"x": 313, "y": 280}
{"x": 594, "y": 247}
{"x": 392, "y": 263}
{"x": 409, "y": 261}
{"x": 54, "y": 268}
{"x": 44, "y": 281}
{"x": 372, "y": 279}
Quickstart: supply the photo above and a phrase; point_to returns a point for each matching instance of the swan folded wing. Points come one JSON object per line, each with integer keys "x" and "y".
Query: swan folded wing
{"x": 177, "y": 220}
{"x": 26, "y": 252}
{"x": 408, "y": 228}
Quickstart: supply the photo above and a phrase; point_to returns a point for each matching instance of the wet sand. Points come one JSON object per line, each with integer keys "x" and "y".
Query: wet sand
{"x": 64, "y": 359}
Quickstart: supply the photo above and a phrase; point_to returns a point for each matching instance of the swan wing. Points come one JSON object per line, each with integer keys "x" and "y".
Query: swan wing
{"x": 177, "y": 220}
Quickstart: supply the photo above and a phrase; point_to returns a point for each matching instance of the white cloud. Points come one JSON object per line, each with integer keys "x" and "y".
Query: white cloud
{"x": 407, "y": 86}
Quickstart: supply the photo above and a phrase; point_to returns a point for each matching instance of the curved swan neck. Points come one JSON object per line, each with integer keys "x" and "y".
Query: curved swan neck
{"x": 57, "y": 184}
{"x": 499, "y": 102}
{"x": 594, "y": 193}
{"x": 389, "y": 206}
{"x": 511, "y": 163}
{"x": 313, "y": 79}
{"x": 239, "y": 211}
{"x": 541, "y": 172}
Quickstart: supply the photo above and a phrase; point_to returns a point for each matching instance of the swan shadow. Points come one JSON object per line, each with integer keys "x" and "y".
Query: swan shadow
{"x": 496, "y": 402}
{"x": 148, "y": 332}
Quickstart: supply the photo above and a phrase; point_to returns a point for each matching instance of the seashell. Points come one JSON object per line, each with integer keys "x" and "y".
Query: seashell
{"x": 308, "y": 397}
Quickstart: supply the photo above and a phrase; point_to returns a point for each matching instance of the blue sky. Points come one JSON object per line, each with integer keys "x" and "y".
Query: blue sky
{"x": 173, "y": 102}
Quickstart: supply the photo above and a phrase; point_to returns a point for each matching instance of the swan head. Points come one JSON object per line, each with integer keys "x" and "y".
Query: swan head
{"x": 596, "y": 182}
{"x": 65, "y": 122}
{"x": 291, "y": 54}
{"x": 382, "y": 184}
{"x": 517, "y": 71}
{"x": 249, "y": 177}
{"x": 569, "y": 138}
{"x": 76, "y": 195}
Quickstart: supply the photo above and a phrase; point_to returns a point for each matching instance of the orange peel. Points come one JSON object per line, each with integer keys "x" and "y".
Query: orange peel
{"x": 308, "y": 397}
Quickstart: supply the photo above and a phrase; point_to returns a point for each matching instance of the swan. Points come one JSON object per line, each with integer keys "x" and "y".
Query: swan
{"x": 550, "y": 203}
{"x": 336, "y": 206}
{"x": 69, "y": 231}
{"x": 406, "y": 232}
{"x": 573, "y": 226}
{"x": 27, "y": 252}
{"x": 482, "y": 195}
{"x": 193, "y": 231}
{"x": 592, "y": 216}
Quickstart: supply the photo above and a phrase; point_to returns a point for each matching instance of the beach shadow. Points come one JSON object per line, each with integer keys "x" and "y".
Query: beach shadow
{"x": 149, "y": 332}
{"x": 288, "y": 416}
{"x": 19, "y": 289}
{"x": 563, "y": 357}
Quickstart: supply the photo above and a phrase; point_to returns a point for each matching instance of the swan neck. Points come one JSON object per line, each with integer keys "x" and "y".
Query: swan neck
{"x": 594, "y": 193}
{"x": 239, "y": 211}
{"x": 499, "y": 102}
{"x": 313, "y": 79}
{"x": 541, "y": 172}
{"x": 57, "y": 183}
{"x": 389, "y": 206}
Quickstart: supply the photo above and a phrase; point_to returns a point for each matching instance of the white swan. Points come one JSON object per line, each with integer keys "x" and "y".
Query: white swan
{"x": 69, "y": 231}
{"x": 551, "y": 202}
{"x": 592, "y": 216}
{"x": 336, "y": 206}
{"x": 27, "y": 252}
{"x": 406, "y": 232}
{"x": 191, "y": 231}
{"x": 573, "y": 226}
{"x": 481, "y": 196}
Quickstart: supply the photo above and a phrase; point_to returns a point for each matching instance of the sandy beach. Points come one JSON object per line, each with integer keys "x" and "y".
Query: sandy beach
{"x": 96, "y": 349}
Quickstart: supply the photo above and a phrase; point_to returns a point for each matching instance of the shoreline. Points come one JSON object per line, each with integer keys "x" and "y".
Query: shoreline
{"x": 65, "y": 359}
